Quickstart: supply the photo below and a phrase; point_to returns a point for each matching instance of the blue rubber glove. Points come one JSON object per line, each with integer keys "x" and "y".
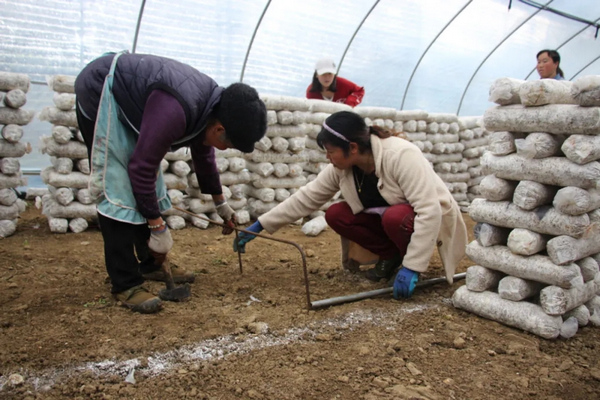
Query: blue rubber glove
{"x": 405, "y": 282}
{"x": 239, "y": 243}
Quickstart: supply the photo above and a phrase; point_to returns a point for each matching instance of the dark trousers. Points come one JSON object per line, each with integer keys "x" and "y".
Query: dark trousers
{"x": 385, "y": 236}
{"x": 126, "y": 251}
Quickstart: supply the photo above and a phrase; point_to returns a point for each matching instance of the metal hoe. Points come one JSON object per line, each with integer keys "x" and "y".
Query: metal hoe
{"x": 325, "y": 302}
{"x": 172, "y": 292}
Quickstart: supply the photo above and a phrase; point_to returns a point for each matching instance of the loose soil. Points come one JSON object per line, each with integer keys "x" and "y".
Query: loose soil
{"x": 250, "y": 335}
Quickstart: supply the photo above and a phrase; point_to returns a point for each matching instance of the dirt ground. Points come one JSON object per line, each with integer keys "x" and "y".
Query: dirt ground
{"x": 250, "y": 335}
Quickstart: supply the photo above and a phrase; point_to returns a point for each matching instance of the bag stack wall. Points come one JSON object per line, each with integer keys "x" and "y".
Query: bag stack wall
{"x": 287, "y": 158}
{"x": 176, "y": 167}
{"x": 443, "y": 131}
{"x": 68, "y": 205}
{"x": 475, "y": 140}
{"x": 538, "y": 231}
{"x": 13, "y": 96}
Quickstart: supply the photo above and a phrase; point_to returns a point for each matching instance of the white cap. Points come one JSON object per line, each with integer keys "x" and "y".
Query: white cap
{"x": 325, "y": 66}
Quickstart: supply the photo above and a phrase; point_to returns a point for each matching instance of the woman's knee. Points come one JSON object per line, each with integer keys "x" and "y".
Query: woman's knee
{"x": 401, "y": 215}
{"x": 337, "y": 213}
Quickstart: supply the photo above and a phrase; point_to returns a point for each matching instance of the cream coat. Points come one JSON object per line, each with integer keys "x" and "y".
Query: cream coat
{"x": 405, "y": 176}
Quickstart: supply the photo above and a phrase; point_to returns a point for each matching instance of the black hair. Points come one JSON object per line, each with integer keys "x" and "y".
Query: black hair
{"x": 353, "y": 127}
{"x": 318, "y": 88}
{"x": 243, "y": 115}
{"x": 553, "y": 54}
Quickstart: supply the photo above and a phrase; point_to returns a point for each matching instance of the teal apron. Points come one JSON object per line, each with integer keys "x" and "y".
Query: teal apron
{"x": 111, "y": 150}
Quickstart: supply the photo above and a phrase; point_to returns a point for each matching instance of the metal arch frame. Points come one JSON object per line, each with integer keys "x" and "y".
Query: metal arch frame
{"x": 562, "y": 44}
{"x": 492, "y": 52}
{"x": 252, "y": 40}
{"x": 139, "y": 23}
{"x": 81, "y": 33}
{"x": 427, "y": 49}
{"x": 354, "y": 35}
{"x": 137, "y": 27}
{"x": 587, "y": 65}
{"x": 343, "y": 55}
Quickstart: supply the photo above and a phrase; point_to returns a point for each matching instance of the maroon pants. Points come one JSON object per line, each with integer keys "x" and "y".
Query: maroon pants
{"x": 385, "y": 236}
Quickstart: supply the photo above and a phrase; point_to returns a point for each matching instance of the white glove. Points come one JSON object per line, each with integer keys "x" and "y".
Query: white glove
{"x": 225, "y": 211}
{"x": 160, "y": 242}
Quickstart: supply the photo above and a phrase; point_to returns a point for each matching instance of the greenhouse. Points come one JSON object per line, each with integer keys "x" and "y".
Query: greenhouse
{"x": 434, "y": 56}
{"x": 277, "y": 199}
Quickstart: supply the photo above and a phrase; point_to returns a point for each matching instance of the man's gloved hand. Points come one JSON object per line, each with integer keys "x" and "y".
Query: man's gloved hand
{"x": 239, "y": 243}
{"x": 228, "y": 215}
{"x": 160, "y": 243}
{"x": 225, "y": 211}
{"x": 405, "y": 282}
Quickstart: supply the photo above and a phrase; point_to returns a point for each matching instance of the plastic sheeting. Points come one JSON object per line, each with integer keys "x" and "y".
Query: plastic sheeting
{"x": 420, "y": 54}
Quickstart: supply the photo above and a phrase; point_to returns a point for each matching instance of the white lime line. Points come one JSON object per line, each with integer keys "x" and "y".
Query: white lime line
{"x": 218, "y": 348}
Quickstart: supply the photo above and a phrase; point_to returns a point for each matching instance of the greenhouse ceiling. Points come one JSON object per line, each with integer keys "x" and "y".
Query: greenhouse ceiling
{"x": 440, "y": 56}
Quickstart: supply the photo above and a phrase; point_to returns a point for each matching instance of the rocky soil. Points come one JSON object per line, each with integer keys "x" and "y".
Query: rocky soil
{"x": 251, "y": 336}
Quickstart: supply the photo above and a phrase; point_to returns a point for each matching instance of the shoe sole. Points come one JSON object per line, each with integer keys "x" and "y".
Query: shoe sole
{"x": 148, "y": 307}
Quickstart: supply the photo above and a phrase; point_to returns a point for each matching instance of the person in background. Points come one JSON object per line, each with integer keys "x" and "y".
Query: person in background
{"x": 548, "y": 65}
{"x": 326, "y": 85}
{"x": 394, "y": 205}
{"x": 131, "y": 110}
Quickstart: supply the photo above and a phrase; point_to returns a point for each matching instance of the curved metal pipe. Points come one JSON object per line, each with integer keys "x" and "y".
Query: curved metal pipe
{"x": 296, "y": 245}
{"x": 492, "y": 52}
{"x": 354, "y": 35}
{"x": 587, "y": 65}
{"x": 377, "y": 292}
{"x": 565, "y": 42}
{"x": 137, "y": 27}
{"x": 252, "y": 40}
{"x": 427, "y": 49}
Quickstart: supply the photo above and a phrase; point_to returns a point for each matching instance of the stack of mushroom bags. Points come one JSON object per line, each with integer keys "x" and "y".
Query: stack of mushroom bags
{"x": 13, "y": 89}
{"x": 68, "y": 205}
{"x": 451, "y": 144}
{"x": 537, "y": 243}
{"x": 288, "y": 157}
{"x": 475, "y": 140}
{"x": 458, "y": 144}
{"x": 284, "y": 160}
{"x": 182, "y": 187}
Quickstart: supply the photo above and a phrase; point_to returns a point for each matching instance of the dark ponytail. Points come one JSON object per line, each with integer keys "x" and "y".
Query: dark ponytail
{"x": 380, "y": 132}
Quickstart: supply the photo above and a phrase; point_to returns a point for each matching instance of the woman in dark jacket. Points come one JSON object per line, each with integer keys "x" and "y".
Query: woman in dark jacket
{"x": 131, "y": 110}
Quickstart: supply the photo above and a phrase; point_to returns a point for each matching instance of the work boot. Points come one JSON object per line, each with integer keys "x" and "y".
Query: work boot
{"x": 138, "y": 299}
{"x": 180, "y": 275}
{"x": 384, "y": 269}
